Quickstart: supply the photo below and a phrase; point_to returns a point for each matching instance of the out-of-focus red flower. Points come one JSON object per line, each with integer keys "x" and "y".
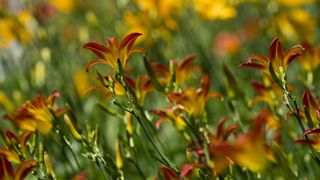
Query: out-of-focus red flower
{"x": 193, "y": 100}
{"x": 141, "y": 87}
{"x": 172, "y": 115}
{"x": 314, "y": 140}
{"x": 35, "y": 114}
{"x": 114, "y": 52}
{"x": 312, "y": 106}
{"x": 183, "y": 71}
{"x": 226, "y": 43}
{"x": 249, "y": 149}
{"x": 16, "y": 146}
{"x": 7, "y": 172}
{"x": 186, "y": 172}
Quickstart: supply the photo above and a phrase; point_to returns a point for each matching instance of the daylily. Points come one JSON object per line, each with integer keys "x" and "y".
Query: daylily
{"x": 16, "y": 146}
{"x": 314, "y": 140}
{"x": 312, "y": 106}
{"x": 278, "y": 59}
{"x": 35, "y": 114}
{"x": 8, "y": 173}
{"x": 310, "y": 60}
{"x": 114, "y": 52}
{"x": 141, "y": 87}
{"x": 172, "y": 115}
{"x": 270, "y": 94}
{"x": 193, "y": 100}
{"x": 249, "y": 149}
{"x": 108, "y": 86}
{"x": 186, "y": 172}
{"x": 221, "y": 135}
{"x": 182, "y": 71}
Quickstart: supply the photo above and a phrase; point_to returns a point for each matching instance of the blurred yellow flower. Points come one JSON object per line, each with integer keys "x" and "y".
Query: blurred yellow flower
{"x": 214, "y": 10}
{"x": 18, "y": 28}
{"x": 154, "y": 19}
{"x": 65, "y": 6}
{"x": 5, "y": 102}
{"x": 81, "y": 82}
{"x": 295, "y": 24}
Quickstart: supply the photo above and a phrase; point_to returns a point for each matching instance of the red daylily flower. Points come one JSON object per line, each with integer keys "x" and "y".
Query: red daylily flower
{"x": 172, "y": 115}
{"x": 183, "y": 71}
{"x": 16, "y": 146}
{"x": 186, "y": 172}
{"x": 141, "y": 87}
{"x": 312, "y": 105}
{"x": 278, "y": 58}
{"x": 36, "y": 115}
{"x": 193, "y": 100}
{"x": 249, "y": 149}
{"x": 8, "y": 173}
{"x": 314, "y": 140}
{"x": 114, "y": 51}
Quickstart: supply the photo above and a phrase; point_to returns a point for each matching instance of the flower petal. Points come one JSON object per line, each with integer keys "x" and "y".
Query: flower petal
{"x": 97, "y": 49}
{"x": 92, "y": 63}
{"x": 24, "y": 169}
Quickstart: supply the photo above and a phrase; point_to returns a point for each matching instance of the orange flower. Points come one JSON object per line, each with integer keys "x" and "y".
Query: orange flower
{"x": 278, "y": 59}
{"x": 314, "y": 140}
{"x": 142, "y": 86}
{"x": 114, "y": 52}
{"x": 185, "y": 172}
{"x": 16, "y": 146}
{"x": 36, "y": 115}
{"x": 312, "y": 106}
{"x": 269, "y": 94}
{"x": 183, "y": 71}
{"x": 172, "y": 115}
{"x": 193, "y": 100}
{"x": 249, "y": 149}
{"x": 7, "y": 172}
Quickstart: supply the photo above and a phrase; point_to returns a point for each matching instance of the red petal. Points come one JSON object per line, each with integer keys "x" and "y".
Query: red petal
{"x": 205, "y": 84}
{"x": 92, "y": 63}
{"x": 25, "y": 168}
{"x": 275, "y": 49}
{"x": 97, "y": 49}
{"x": 186, "y": 171}
{"x": 129, "y": 41}
{"x": 312, "y": 131}
{"x": 168, "y": 173}
{"x": 187, "y": 61}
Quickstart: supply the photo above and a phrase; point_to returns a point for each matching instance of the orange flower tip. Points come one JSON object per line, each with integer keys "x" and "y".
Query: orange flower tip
{"x": 251, "y": 65}
{"x": 304, "y": 141}
{"x": 312, "y": 131}
{"x": 308, "y": 100}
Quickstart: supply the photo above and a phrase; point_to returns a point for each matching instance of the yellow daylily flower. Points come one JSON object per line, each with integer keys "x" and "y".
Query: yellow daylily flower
{"x": 35, "y": 114}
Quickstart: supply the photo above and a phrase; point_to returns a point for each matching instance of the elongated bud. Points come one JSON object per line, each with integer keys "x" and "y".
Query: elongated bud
{"x": 119, "y": 162}
{"x": 49, "y": 167}
{"x": 73, "y": 130}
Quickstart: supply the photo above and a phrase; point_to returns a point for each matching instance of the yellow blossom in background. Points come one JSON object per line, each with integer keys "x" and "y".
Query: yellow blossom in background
{"x": 295, "y": 24}
{"x": 19, "y": 27}
{"x": 214, "y": 10}
{"x": 154, "y": 19}
{"x": 65, "y": 6}
{"x": 81, "y": 82}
